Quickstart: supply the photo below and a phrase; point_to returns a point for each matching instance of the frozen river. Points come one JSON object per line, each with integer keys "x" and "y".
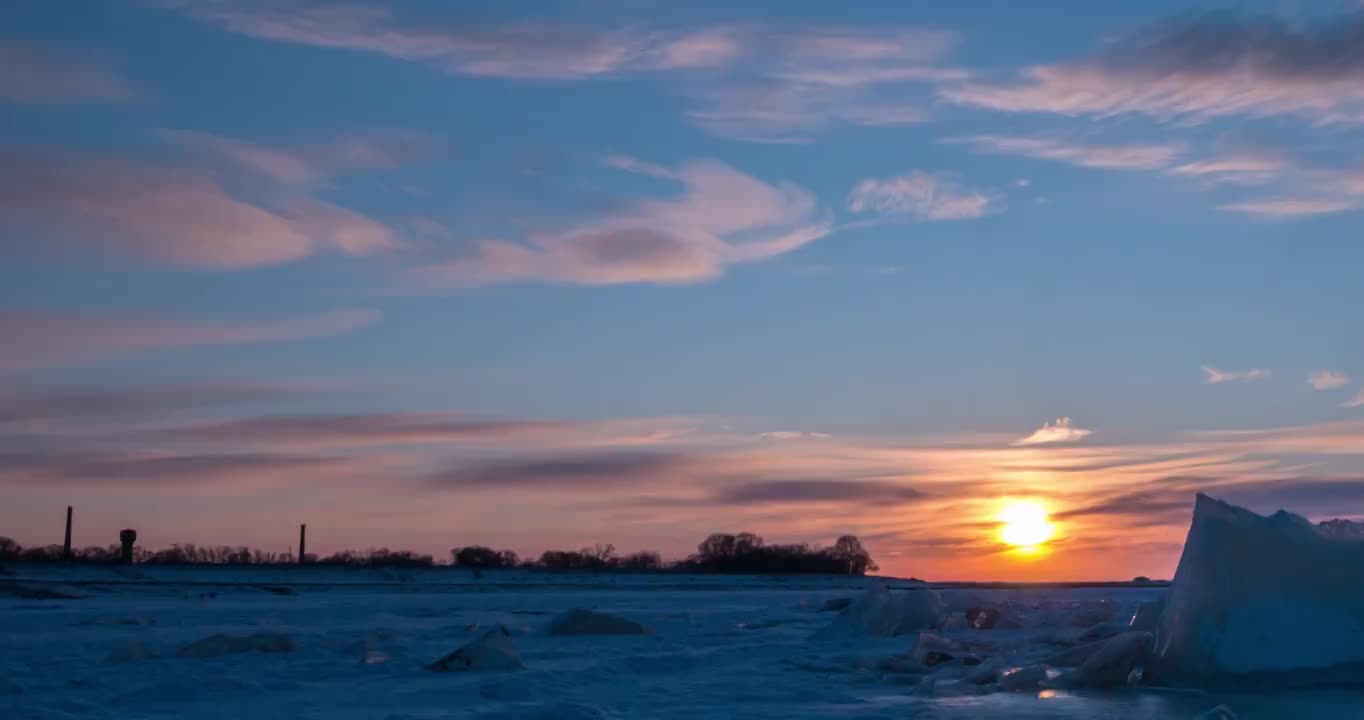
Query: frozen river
{"x": 718, "y": 647}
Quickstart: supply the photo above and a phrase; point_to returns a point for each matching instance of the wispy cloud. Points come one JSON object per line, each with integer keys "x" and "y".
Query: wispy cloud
{"x": 817, "y": 491}
{"x": 723, "y": 217}
{"x": 311, "y": 163}
{"x": 1115, "y": 157}
{"x": 921, "y": 195}
{"x": 1244, "y": 167}
{"x": 1061, "y": 431}
{"x": 745, "y": 80}
{"x": 1214, "y": 375}
{"x": 167, "y": 215}
{"x": 310, "y": 432}
{"x": 1356, "y": 401}
{"x": 794, "y": 435}
{"x": 1213, "y": 65}
{"x": 572, "y": 472}
{"x": 48, "y": 76}
{"x": 1328, "y": 379}
{"x": 635, "y": 165}
{"x": 526, "y": 49}
{"x": 64, "y": 405}
{"x": 792, "y": 83}
{"x": 41, "y": 338}
{"x": 1289, "y": 207}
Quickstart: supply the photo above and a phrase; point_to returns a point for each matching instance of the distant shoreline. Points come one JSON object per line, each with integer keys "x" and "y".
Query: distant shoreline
{"x": 288, "y": 574}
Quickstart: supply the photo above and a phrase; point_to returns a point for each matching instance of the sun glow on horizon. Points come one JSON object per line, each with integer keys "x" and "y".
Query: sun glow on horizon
{"x": 1025, "y": 525}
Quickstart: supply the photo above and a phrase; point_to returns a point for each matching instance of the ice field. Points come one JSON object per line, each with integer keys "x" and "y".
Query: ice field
{"x": 345, "y": 643}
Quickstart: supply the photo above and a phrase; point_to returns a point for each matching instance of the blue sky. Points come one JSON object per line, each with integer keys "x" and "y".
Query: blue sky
{"x": 673, "y": 229}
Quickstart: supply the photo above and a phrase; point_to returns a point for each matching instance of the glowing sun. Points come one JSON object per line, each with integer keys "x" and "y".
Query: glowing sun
{"x": 1025, "y": 525}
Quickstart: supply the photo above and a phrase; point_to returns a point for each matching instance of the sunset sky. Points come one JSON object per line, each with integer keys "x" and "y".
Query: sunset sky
{"x": 544, "y": 274}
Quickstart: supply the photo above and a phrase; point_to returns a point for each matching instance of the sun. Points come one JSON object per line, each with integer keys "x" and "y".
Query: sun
{"x": 1025, "y": 525}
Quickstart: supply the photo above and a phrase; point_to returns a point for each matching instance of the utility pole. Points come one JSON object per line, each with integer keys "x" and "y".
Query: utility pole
{"x": 302, "y": 542}
{"x": 66, "y": 546}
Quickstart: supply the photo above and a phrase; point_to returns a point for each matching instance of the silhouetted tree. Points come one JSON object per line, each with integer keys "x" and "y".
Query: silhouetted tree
{"x": 848, "y": 550}
{"x": 602, "y": 553}
{"x": 640, "y": 561}
{"x": 9, "y": 550}
{"x": 46, "y": 553}
{"x": 478, "y": 556}
{"x": 746, "y": 553}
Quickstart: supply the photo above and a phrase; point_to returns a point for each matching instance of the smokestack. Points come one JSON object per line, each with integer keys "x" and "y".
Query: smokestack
{"x": 66, "y": 546}
{"x": 302, "y": 542}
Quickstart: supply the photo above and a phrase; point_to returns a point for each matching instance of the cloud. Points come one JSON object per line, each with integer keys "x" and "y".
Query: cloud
{"x": 791, "y": 83}
{"x": 1327, "y": 379}
{"x": 1286, "y": 207}
{"x": 47, "y": 405}
{"x": 723, "y": 217}
{"x": 1061, "y": 431}
{"x": 1215, "y": 376}
{"x": 313, "y": 163}
{"x": 1116, "y": 157}
{"x": 817, "y": 491}
{"x": 794, "y": 435}
{"x": 1356, "y": 401}
{"x": 39, "y": 338}
{"x": 600, "y": 469}
{"x": 1208, "y": 66}
{"x": 635, "y": 165}
{"x": 350, "y": 431}
{"x": 125, "y": 469}
{"x": 746, "y": 81}
{"x": 167, "y": 216}
{"x": 921, "y": 195}
{"x": 33, "y": 74}
{"x": 1245, "y": 167}
{"x": 530, "y": 50}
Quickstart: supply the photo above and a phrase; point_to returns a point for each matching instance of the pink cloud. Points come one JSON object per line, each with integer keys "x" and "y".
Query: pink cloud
{"x": 38, "y": 339}
{"x": 168, "y": 216}
{"x": 527, "y": 50}
{"x": 1119, "y": 157}
{"x": 1287, "y": 207}
{"x": 1215, "y": 376}
{"x": 311, "y": 163}
{"x": 723, "y": 217}
{"x": 762, "y": 83}
{"x": 1205, "y": 67}
{"x": 1327, "y": 379}
{"x": 38, "y": 75}
{"x": 921, "y": 195}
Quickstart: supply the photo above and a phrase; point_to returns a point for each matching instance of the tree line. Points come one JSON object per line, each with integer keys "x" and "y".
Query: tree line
{"x": 719, "y": 553}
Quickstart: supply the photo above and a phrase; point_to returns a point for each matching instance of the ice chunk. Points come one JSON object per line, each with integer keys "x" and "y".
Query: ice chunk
{"x": 495, "y": 651}
{"x": 882, "y": 613}
{"x": 1261, "y": 600}
{"x": 838, "y": 604}
{"x": 982, "y": 618}
{"x": 1146, "y": 617}
{"x": 1024, "y": 678}
{"x": 1112, "y": 664}
{"x": 1342, "y": 529}
{"x": 131, "y": 651}
{"x": 222, "y": 644}
{"x": 591, "y": 622}
{"x": 1076, "y": 656}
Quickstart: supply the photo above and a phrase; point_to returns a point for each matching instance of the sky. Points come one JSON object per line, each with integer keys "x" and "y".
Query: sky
{"x": 547, "y": 274}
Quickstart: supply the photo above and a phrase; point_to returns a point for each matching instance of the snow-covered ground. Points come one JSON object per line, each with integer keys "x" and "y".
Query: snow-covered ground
{"x": 355, "y": 645}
